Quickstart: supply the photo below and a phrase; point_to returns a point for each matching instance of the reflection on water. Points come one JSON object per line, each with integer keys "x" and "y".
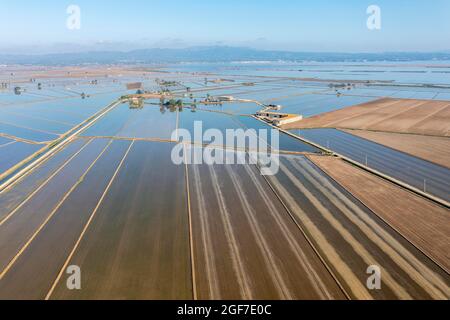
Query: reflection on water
{"x": 419, "y": 173}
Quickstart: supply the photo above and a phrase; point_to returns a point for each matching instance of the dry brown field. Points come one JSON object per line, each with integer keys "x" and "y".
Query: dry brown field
{"x": 426, "y": 117}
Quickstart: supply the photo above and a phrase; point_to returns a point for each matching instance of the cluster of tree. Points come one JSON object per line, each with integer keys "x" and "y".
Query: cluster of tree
{"x": 18, "y": 90}
{"x": 173, "y": 103}
{"x": 165, "y": 83}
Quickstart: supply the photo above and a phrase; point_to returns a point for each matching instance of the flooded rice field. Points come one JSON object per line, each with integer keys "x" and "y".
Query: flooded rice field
{"x": 38, "y": 123}
{"x": 286, "y": 142}
{"x": 314, "y": 104}
{"x": 419, "y": 173}
{"x": 406, "y": 72}
{"x": 207, "y": 120}
{"x": 245, "y": 244}
{"x": 5, "y": 141}
{"x": 402, "y": 210}
{"x": 350, "y": 237}
{"x": 13, "y": 196}
{"x": 13, "y": 152}
{"x": 144, "y": 229}
{"x": 21, "y": 223}
{"x": 36, "y": 118}
{"x": 112, "y": 201}
{"x": 148, "y": 122}
{"x": 236, "y": 108}
{"x": 66, "y": 223}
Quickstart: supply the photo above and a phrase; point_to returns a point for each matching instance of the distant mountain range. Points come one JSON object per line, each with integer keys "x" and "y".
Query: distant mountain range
{"x": 212, "y": 54}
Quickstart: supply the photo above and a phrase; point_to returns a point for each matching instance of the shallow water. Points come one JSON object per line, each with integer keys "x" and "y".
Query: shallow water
{"x": 14, "y": 153}
{"x": 286, "y": 142}
{"x": 419, "y": 173}
{"x": 148, "y": 122}
{"x": 26, "y": 133}
{"x": 314, "y": 104}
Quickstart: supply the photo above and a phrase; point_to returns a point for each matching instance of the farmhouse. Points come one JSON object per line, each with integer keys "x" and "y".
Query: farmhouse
{"x": 277, "y": 118}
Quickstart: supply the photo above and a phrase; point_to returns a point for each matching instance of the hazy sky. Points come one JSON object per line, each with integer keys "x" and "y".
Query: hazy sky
{"x": 319, "y": 25}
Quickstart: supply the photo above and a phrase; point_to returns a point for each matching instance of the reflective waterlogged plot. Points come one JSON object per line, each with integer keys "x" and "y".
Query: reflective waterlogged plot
{"x": 58, "y": 114}
{"x": 202, "y": 93}
{"x": 351, "y": 238}
{"x": 222, "y": 122}
{"x": 45, "y": 94}
{"x": 149, "y": 122}
{"x": 394, "y": 72}
{"x": 51, "y": 92}
{"x": 313, "y": 104}
{"x": 207, "y": 120}
{"x": 94, "y": 89}
{"x": 443, "y": 96}
{"x": 236, "y": 90}
{"x": 235, "y": 108}
{"x": 424, "y": 223}
{"x": 194, "y": 84}
{"x": 272, "y": 96}
{"x": 21, "y": 223}
{"x": 419, "y": 173}
{"x": 9, "y": 98}
{"x": 286, "y": 142}
{"x": 90, "y": 105}
{"x": 14, "y": 152}
{"x": 11, "y": 197}
{"x": 261, "y": 93}
{"x": 137, "y": 245}
{"x": 27, "y": 133}
{"x": 35, "y": 122}
{"x": 53, "y": 111}
{"x": 45, "y": 258}
{"x": 395, "y": 92}
{"x": 245, "y": 244}
{"x": 371, "y": 91}
{"x": 5, "y": 141}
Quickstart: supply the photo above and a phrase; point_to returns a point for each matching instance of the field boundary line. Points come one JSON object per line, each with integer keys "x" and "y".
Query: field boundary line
{"x": 325, "y": 171}
{"x": 18, "y": 139}
{"x": 386, "y": 105}
{"x": 198, "y": 144}
{"x": 351, "y": 132}
{"x": 52, "y": 213}
{"x": 43, "y": 184}
{"x": 307, "y": 238}
{"x": 30, "y": 129}
{"x": 321, "y": 91}
{"x": 344, "y": 129}
{"x": 47, "y": 151}
{"x": 129, "y": 138}
{"x": 401, "y": 184}
{"x": 191, "y": 240}
{"x": 77, "y": 243}
{"x": 8, "y": 144}
{"x": 39, "y": 118}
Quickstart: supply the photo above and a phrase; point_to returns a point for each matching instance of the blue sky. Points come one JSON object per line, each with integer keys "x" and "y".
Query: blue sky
{"x": 320, "y": 25}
